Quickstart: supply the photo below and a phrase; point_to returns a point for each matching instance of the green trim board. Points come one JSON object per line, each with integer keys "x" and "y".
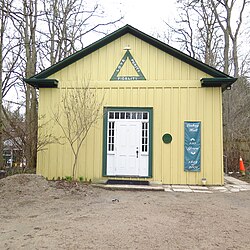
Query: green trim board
{"x": 126, "y": 56}
{"x": 42, "y": 83}
{"x": 104, "y": 141}
{"x": 217, "y": 82}
{"x": 105, "y": 122}
{"x": 146, "y": 38}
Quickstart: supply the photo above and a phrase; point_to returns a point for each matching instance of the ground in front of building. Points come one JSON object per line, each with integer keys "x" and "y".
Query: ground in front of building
{"x": 37, "y": 214}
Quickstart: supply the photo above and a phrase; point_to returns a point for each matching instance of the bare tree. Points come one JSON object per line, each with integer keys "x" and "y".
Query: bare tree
{"x": 45, "y": 135}
{"x": 2, "y": 29}
{"x": 68, "y": 23}
{"x": 24, "y": 19}
{"x": 48, "y": 30}
{"x": 237, "y": 132}
{"x": 14, "y": 130}
{"x": 78, "y": 111}
{"x": 230, "y": 22}
{"x": 8, "y": 63}
{"x": 223, "y": 10}
{"x": 196, "y": 30}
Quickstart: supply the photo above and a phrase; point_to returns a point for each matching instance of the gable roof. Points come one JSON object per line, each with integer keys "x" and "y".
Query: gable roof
{"x": 42, "y": 82}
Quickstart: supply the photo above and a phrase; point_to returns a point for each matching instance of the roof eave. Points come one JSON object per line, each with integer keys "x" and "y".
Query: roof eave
{"x": 224, "y": 83}
{"x": 83, "y": 52}
{"x": 139, "y": 34}
{"x": 42, "y": 83}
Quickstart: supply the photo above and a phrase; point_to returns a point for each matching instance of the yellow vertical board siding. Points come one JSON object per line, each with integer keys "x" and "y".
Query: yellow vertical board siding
{"x": 201, "y": 115}
{"x": 98, "y": 150}
{"x": 169, "y": 71}
{"x": 152, "y": 67}
{"x": 42, "y": 155}
{"x": 94, "y": 65}
{"x": 166, "y": 128}
{"x": 45, "y": 128}
{"x": 89, "y": 156}
{"x": 127, "y": 97}
{"x": 183, "y": 112}
{"x": 184, "y": 71}
{"x": 220, "y": 156}
{"x": 144, "y": 61}
{"x": 174, "y": 132}
{"x": 208, "y": 136}
{"x": 172, "y": 88}
{"x": 161, "y": 66}
{"x": 171, "y": 107}
{"x": 217, "y": 138}
{"x": 157, "y": 126}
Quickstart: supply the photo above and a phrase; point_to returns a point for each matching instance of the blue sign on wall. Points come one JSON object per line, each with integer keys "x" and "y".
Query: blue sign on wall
{"x": 192, "y": 146}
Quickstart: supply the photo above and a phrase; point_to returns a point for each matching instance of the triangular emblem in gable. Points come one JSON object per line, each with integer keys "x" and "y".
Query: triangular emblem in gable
{"x": 117, "y": 77}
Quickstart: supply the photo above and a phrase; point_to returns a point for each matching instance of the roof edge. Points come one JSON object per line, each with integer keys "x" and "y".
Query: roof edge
{"x": 83, "y": 52}
{"x": 139, "y": 34}
{"x": 224, "y": 83}
{"x": 177, "y": 53}
{"x": 42, "y": 83}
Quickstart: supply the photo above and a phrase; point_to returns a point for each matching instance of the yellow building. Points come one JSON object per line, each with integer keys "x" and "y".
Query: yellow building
{"x": 162, "y": 113}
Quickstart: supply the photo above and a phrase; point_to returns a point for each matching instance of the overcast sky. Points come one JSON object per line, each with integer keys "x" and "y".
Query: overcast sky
{"x": 144, "y": 15}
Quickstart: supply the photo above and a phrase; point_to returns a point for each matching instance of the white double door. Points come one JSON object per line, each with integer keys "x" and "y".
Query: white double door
{"x": 128, "y": 158}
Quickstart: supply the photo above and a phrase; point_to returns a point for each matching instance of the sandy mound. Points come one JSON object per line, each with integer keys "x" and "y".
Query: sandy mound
{"x": 23, "y": 183}
{"x": 36, "y": 186}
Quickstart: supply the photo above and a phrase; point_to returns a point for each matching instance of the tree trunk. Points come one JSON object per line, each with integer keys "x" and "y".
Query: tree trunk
{"x": 1, "y": 97}
{"x": 2, "y": 28}
{"x": 30, "y": 14}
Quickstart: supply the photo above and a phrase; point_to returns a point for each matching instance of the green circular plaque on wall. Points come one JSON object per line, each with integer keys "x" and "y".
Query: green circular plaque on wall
{"x": 167, "y": 138}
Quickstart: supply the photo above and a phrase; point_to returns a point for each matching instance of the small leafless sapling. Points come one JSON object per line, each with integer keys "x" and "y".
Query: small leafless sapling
{"x": 79, "y": 109}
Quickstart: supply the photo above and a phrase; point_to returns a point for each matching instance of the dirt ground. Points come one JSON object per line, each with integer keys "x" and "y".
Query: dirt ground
{"x": 37, "y": 214}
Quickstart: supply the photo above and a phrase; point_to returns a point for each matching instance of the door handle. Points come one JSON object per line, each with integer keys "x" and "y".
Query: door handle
{"x": 137, "y": 152}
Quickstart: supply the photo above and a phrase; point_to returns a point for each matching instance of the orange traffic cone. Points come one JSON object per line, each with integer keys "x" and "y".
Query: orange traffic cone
{"x": 242, "y": 167}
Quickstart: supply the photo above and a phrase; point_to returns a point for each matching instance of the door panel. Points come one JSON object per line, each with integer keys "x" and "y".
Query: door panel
{"x": 128, "y": 143}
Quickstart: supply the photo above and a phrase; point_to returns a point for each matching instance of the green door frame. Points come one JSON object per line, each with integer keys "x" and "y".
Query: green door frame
{"x": 105, "y": 123}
